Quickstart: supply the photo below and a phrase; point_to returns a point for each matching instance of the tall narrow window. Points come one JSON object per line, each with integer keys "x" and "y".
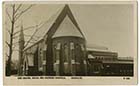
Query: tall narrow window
{"x": 66, "y": 52}
{"x": 82, "y": 47}
{"x": 66, "y": 58}
{"x": 40, "y": 59}
{"x": 78, "y": 59}
{"x": 44, "y": 51}
{"x": 82, "y": 52}
{"x": 72, "y": 46}
{"x": 56, "y": 54}
{"x": 72, "y": 50}
{"x": 44, "y": 58}
{"x": 78, "y": 53}
{"x": 58, "y": 51}
{"x": 72, "y": 58}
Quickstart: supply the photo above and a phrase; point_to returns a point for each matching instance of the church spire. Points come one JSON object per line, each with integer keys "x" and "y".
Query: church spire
{"x": 21, "y": 47}
{"x": 21, "y": 36}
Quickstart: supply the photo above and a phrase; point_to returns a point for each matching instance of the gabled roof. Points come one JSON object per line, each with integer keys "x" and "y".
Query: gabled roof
{"x": 67, "y": 28}
{"x": 49, "y": 30}
{"x": 66, "y": 11}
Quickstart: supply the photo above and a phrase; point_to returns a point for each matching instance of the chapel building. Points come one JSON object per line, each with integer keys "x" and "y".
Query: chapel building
{"x": 63, "y": 51}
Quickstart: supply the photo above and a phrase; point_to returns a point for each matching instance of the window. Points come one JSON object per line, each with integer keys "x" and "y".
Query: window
{"x": 72, "y": 50}
{"x": 66, "y": 67}
{"x": 71, "y": 45}
{"x": 66, "y": 52}
{"x": 45, "y": 47}
{"x": 56, "y": 51}
{"x": 82, "y": 47}
{"x": 40, "y": 59}
{"x": 58, "y": 46}
{"x": 78, "y": 53}
{"x": 56, "y": 57}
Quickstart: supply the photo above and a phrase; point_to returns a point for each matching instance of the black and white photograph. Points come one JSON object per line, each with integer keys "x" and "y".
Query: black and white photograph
{"x": 70, "y": 40}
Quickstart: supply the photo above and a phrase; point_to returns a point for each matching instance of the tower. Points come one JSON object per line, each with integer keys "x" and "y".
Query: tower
{"x": 21, "y": 47}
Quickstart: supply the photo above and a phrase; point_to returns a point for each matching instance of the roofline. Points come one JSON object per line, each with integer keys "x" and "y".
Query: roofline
{"x": 68, "y": 36}
{"x": 65, "y": 10}
{"x": 33, "y": 44}
{"x": 60, "y": 18}
{"x": 125, "y": 60}
{"x": 118, "y": 62}
{"x": 102, "y": 51}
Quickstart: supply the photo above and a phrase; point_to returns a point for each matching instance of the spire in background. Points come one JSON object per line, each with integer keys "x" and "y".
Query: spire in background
{"x": 21, "y": 47}
{"x": 21, "y": 36}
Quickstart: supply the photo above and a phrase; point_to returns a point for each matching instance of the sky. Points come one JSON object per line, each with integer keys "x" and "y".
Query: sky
{"x": 109, "y": 25}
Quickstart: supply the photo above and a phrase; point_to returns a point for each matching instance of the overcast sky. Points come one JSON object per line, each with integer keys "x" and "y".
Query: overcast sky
{"x": 106, "y": 25}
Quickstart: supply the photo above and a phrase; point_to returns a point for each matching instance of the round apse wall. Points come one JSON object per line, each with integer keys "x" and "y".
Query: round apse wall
{"x": 68, "y": 51}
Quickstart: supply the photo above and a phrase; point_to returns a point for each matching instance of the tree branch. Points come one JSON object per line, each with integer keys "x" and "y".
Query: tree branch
{"x": 18, "y": 8}
{"x": 14, "y": 46}
{"x": 27, "y": 28}
{"x": 8, "y": 30}
{"x": 14, "y": 37}
{"x": 8, "y": 15}
{"x": 15, "y": 43}
{"x": 7, "y": 55}
{"x": 17, "y": 26}
{"x": 24, "y": 29}
{"x": 31, "y": 36}
{"x": 34, "y": 39}
{"x": 22, "y": 12}
{"x": 8, "y": 44}
{"x": 29, "y": 42}
{"x": 15, "y": 49}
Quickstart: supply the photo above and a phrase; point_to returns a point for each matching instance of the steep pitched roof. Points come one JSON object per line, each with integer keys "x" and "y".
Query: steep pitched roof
{"x": 67, "y": 28}
{"x": 49, "y": 30}
{"x": 65, "y": 12}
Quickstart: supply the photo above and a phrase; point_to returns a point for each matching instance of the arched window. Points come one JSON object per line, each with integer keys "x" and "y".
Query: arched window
{"x": 56, "y": 51}
{"x": 66, "y": 52}
{"x": 78, "y": 53}
{"x": 58, "y": 48}
{"x": 82, "y": 47}
{"x": 40, "y": 59}
{"x": 72, "y": 50}
{"x": 56, "y": 57}
{"x": 71, "y": 45}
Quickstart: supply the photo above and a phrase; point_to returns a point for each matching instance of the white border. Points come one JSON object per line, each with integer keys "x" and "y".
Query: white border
{"x": 1, "y": 37}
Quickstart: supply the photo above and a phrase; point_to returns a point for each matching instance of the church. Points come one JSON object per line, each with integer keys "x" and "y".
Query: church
{"x": 62, "y": 51}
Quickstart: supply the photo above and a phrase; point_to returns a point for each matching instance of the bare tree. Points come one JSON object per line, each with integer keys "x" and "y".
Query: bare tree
{"x": 17, "y": 12}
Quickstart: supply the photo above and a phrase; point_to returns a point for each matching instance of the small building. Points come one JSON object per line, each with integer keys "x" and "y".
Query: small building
{"x": 104, "y": 63}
